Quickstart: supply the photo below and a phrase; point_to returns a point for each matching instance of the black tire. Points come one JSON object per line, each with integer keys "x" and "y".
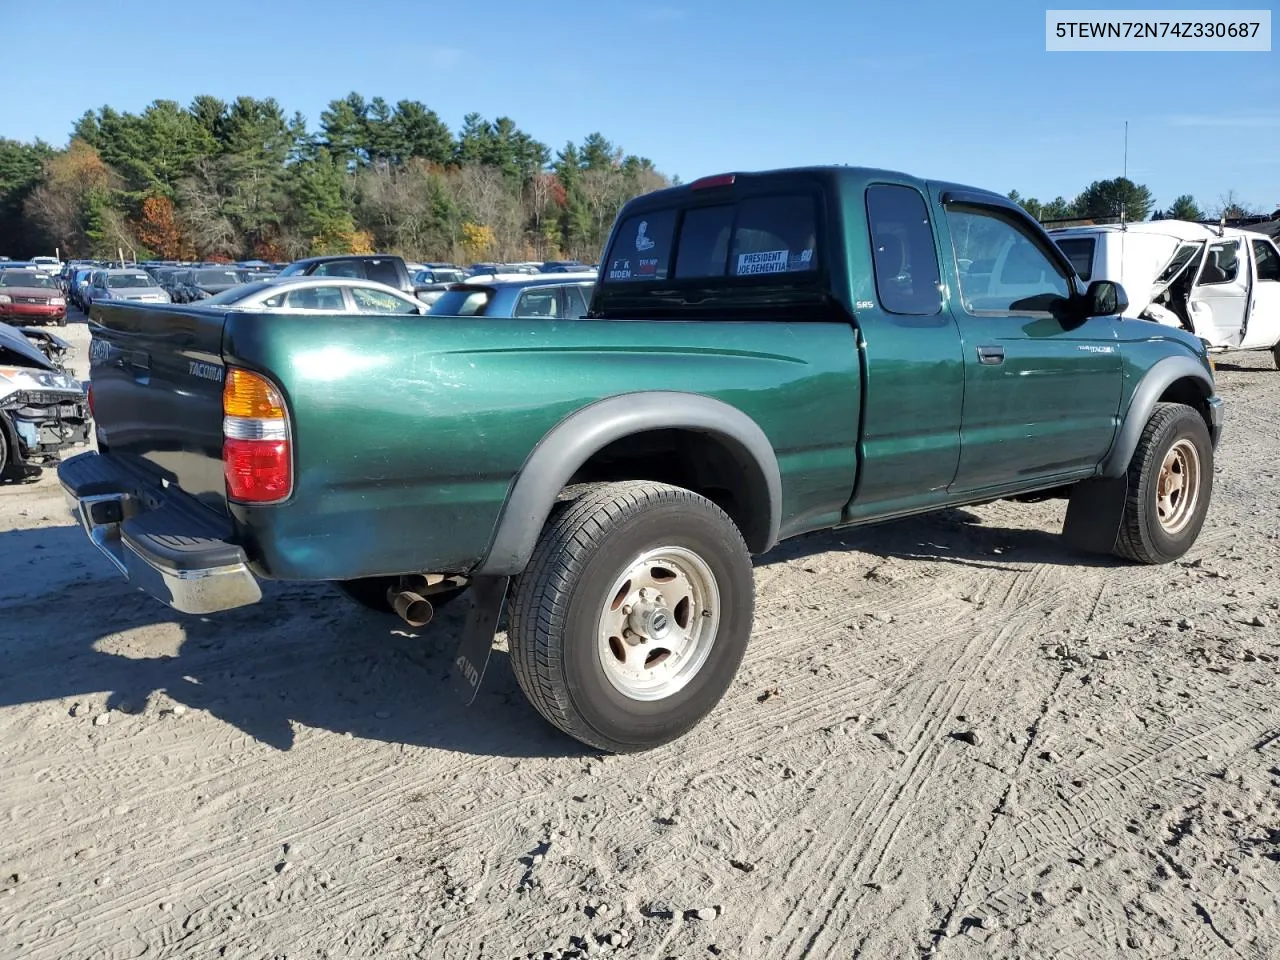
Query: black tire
{"x": 554, "y": 627}
{"x": 1275, "y": 356}
{"x": 1144, "y": 537}
{"x": 371, "y": 593}
{"x": 4, "y": 454}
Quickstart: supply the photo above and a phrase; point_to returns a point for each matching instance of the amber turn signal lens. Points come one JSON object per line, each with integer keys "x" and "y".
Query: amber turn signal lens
{"x": 250, "y": 395}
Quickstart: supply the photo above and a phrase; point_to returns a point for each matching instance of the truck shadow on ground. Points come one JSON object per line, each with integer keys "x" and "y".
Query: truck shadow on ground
{"x": 70, "y": 629}
{"x": 949, "y": 536}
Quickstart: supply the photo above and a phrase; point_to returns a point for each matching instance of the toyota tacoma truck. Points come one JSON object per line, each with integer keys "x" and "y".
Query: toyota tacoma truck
{"x": 765, "y": 355}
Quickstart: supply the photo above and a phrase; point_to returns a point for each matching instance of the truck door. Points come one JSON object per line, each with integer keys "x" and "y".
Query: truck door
{"x": 1263, "y": 329}
{"x": 1042, "y": 394}
{"x": 1220, "y": 298}
{"x": 915, "y": 374}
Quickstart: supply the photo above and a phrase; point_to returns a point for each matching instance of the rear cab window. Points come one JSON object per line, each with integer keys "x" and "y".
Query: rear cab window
{"x": 721, "y": 248}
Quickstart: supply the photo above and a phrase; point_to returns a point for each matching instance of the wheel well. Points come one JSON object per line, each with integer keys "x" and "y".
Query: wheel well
{"x": 709, "y": 464}
{"x": 1191, "y": 392}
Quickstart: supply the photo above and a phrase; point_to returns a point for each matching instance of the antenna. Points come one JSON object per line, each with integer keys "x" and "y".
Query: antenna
{"x": 1125, "y": 175}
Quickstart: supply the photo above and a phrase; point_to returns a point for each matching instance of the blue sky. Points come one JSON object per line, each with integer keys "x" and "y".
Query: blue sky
{"x": 950, "y": 90}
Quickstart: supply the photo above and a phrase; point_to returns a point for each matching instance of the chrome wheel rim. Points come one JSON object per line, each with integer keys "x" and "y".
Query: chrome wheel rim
{"x": 1178, "y": 487}
{"x": 658, "y": 623}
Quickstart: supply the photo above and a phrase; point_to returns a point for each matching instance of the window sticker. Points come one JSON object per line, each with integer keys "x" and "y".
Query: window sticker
{"x": 643, "y": 242}
{"x": 648, "y": 267}
{"x": 621, "y": 269}
{"x": 803, "y": 261}
{"x": 768, "y": 261}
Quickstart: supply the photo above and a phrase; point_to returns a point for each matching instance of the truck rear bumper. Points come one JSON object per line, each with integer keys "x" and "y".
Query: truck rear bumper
{"x": 177, "y": 552}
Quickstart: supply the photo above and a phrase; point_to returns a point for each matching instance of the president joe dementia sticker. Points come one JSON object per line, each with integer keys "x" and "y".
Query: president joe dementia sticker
{"x": 769, "y": 261}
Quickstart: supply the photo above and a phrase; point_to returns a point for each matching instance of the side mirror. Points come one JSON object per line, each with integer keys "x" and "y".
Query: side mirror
{"x": 1105, "y": 298}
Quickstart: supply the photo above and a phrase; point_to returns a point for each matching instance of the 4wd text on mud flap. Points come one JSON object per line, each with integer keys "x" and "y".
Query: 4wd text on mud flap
{"x": 469, "y": 672}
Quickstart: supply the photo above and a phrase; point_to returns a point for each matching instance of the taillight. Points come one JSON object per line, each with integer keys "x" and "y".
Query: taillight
{"x": 88, "y": 397}
{"x": 257, "y": 455}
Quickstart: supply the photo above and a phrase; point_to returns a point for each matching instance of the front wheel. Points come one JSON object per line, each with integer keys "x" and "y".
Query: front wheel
{"x": 633, "y": 615}
{"x": 1170, "y": 483}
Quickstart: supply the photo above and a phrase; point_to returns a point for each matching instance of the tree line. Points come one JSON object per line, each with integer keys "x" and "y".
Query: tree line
{"x": 228, "y": 181}
{"x": 1105, "y": 199}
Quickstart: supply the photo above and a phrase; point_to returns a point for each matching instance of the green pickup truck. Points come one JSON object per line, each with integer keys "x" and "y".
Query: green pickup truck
{"x": 766, "y": 354}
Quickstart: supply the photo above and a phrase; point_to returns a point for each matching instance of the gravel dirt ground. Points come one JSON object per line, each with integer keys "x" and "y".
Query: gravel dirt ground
{"x": 950, "y": 735}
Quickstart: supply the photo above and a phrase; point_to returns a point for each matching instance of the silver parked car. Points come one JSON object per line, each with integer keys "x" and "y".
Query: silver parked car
{"x": 123, "y": 284}
{"x": 312, "y": 294}
{"x": 550, "y": 296}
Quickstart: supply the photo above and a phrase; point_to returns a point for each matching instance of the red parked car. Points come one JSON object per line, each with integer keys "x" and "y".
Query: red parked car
{"x": 31, "y": 297}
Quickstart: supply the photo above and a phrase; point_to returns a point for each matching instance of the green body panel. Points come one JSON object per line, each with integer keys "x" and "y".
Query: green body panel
{"x": 407, "y": 440}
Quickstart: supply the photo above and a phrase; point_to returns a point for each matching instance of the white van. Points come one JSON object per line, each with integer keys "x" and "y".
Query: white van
{"x": 1220, "y": 283}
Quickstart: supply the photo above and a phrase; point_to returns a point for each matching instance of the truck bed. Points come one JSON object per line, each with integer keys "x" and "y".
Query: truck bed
{"x": 408, "y": 432}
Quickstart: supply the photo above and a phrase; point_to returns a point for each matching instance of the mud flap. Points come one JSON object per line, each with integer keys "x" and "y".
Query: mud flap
{"x": 487, "y": 597}
{"x": 1094, "y": 513}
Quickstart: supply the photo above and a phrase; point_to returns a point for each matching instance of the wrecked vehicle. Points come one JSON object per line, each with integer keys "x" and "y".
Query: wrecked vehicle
{"x": 51, "y": 345}
{"x": 43, "y": 410}
{"x": 1220, "y": 283}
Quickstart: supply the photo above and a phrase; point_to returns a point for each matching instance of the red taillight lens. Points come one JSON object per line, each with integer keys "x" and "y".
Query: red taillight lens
{"x": 256, "y": 450}
{"x": 257, "y": 471}
{"x": 88, "y": 397}
{"x": 719, "y": 180}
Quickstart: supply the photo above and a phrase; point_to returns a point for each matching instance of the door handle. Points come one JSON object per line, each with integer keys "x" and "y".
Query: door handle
{"x": 991, "y": 354}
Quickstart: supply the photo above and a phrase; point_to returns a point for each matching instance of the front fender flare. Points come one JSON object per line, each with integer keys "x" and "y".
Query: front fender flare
{"x": 563, "y": 451}
{"x": 1154, "y": 383}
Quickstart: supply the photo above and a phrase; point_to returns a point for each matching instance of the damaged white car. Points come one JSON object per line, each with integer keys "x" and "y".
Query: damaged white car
{"x": 1219, "y": 283}
{"x": 43, "y": 411}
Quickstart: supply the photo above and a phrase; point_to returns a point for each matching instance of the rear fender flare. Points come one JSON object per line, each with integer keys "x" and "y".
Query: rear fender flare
{"x": 572, "y": 442}
{"x": 1154, "y": 383}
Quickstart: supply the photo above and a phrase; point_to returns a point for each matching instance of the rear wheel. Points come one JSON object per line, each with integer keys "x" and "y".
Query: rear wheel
{"x": 633, "y": 615}
{"x": 1275, "y": 356}
{"x": 1170, "y": 483}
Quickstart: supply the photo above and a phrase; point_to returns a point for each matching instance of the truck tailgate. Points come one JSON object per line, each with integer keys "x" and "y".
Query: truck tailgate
{"x": 157, "y": 376}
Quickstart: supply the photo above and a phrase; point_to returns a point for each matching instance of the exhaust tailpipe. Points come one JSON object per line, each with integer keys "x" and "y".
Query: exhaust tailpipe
{"x": 413, "y": 608}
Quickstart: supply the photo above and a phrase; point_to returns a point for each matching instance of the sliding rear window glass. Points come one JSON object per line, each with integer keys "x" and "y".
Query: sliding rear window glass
{"x": 752, "y": 237}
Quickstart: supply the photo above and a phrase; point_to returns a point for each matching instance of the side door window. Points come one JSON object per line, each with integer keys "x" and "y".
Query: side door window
{"x": 541, "y": 302}
{"x": 1222, "y": 265}
{"x": 1008, "y": 273}
{"x": 369, "y": 300}
{"x": 1268, "y": 261}
{"x": 327, "y": 299}
{"x": 902, "y": 251}
{"x": 577, "y": 298}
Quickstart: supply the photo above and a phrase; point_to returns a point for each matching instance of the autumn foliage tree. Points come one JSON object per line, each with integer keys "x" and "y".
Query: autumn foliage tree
{"x": 236, "y": 179}
{"x": 158, "y": 230}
